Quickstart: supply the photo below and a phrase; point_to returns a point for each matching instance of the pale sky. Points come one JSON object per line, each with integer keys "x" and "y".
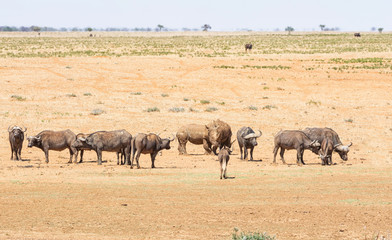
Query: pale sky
{"x": 222, "y": 15}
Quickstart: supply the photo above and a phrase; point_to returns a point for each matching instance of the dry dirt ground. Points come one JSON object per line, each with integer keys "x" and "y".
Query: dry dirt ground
{"x": 183, "y": 198}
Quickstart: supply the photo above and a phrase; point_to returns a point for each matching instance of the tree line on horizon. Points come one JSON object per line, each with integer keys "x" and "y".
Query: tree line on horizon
{"x": 158, "y": 28}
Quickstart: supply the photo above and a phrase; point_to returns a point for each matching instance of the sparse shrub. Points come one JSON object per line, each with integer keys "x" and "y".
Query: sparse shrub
{"x": 97, "y": 111}
{"x": 204, "y": 101}
{"x": 154, "y": 109}
{"x": 313, "y": 102}
{"x": 18, "y": 98}
{"x": 254, "y": 108}
{"x": 265, "y": 88}
{"x": 280, "y": 89}
{"x": 68, "y": 67}
{"x": 186, "y": 99}
{"x": 176, "y": 109}
{"x": 224, "y": 66}
{"x": 136, "y": 93}
{"x": 251, "y": 236}
{"x": 193, "y": 110}
{"x": 164, "y": 95}
{"x": 265, "y": 97}
{"x": 211, "y": 109}
{"x": 349, "y": 120}
{"x": 269, "y": 107}
{"x": 221, "y": 103}
{"x": 71, "y": 95}
{"x": 87, "y": 94}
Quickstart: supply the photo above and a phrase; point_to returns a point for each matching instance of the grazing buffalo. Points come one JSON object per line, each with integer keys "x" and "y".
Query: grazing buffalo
{"x": 247, "y": 139}
{"x": 148, "y": 143}
{"x": 54, "y": 140}
{"x": 16, "y": 137}
{"x": 320, "y": 134}
{"x": 194, "y": 133}
{"x": 293, "y": 139}
{"x": 223, "y": 157}
{"x": 357, "y": 34}
{"x": 248, "y": 46}
{"x": 219, "y": 135}
{"x": 83, "y": 146}
{"x": 117, "y": 141}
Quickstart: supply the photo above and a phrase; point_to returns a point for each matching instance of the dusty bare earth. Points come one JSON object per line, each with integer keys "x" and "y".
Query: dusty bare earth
{"x": 183, "y": 198}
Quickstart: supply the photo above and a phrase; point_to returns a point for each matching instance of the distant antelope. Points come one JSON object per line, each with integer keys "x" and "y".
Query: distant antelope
{"x": 248, "y": 46}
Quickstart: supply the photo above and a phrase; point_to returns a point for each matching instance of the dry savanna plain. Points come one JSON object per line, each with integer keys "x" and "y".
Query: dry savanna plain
{"x": 156, "y": 82}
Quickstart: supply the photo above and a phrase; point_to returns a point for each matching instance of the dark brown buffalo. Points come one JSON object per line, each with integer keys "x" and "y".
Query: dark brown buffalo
{"x": 293, "y": 139}
{"x": 148, "y": 144}
{"x": 54, "y": 140}
{"x": 223, "y": 157}
{"x": 219, "y": 135}
{"x": 82, "y": 146}
{"x": 16, "y": 137}
{"x": 111, "y": 141}
{"x": 326, "y": 150}
{"x": 320, "y": 134}
{"x": 248, "y": 46}
{"x": 357, "y": 34}
{"x": 247, "y": 139}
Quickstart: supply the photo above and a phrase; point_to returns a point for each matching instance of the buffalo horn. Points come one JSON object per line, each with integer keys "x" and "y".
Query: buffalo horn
{"x": 259, "y": 135}
{"x": 38, "y": 137}
{"x": 9, "y": 128}
{"x": 350, "y": 144}
{"x": 82, "y": 139}
{"x": 25, "y": 129}
{"x": 250, "y": 135}
{"x": 171, "y": 138}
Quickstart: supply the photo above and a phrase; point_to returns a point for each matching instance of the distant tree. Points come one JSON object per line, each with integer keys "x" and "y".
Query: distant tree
{"x": 373, "y": 29}
{"x": 36, "y": 29}
{"x": 89, "y": 29}
{"x": 205, "y": 27}
{"x": 322, "y": 26}
{"x": 380, "y": 30}
{"x": 160, "y": 26}
{"x": 289, "y": 29}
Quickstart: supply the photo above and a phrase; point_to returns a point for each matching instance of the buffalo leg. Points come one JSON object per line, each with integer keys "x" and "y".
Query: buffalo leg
{"x": 302, "y": 156}
{"x": 99, "y": 156}
{"x": 282, "y": 155}
{"x": 153, "y": 155}
{"x": 225, "y": 162}
{"x": 46, "y": 151}
{"x": 118, "y": 158}
{"x": 73, "y": 151}
{"x": 241, "y": 152}
{"x": 245, "y": 153}
{"x": 275, "y": 152}
{"x": 137, "y": 158}
{"x": 182, "y": 147}
{"x": 81, "y": 156}
{"x": 251, "y": 153}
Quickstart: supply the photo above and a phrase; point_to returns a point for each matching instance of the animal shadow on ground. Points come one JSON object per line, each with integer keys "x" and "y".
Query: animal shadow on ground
{"x": 230, "y": 177}
{"x": 255, "y": 160}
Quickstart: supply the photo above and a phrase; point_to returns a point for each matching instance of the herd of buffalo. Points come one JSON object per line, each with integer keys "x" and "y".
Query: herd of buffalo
{"x": 217, "y": 134}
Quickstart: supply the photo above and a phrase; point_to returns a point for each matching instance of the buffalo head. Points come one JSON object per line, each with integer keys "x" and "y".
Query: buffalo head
{"x": 343, "y": 150}
{"x": 252, "y": 138}
{"x": 34, "y": 141}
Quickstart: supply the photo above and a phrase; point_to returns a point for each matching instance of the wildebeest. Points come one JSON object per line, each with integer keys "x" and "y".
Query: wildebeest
{"x": 54, "y": 140}
{"x": 16, "y": 137}
{"x": 82, "y": 146}
{"x": 247, "y": 138}
{"x": 320, "y": 134}
{"x": 326, "y": 150}
{"x": 219, "y": 135}
{"x": 111, "y": 141}
{"x": 148, "y": 143}
{"x": 248, "y": 46}
{"x": 194, "y": 133}
{"x": 357, "y": 34}
{"x": 223, "y": 157}
{"x": 293, "y": 139}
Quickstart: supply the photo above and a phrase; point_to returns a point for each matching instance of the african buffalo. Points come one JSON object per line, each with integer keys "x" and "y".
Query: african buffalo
{"x": 357, "y": 34}
{"x": 54, "y": 140}
{"x": 111, "y": 141}
{"x": 148, "y": 143}
{"x": 247, "y": 138}
{"x": 223, "y": 157}
{"x": 293, "y": 139}
{"x": 320, "y": 134}
{"x": 16, "y": 137}
{"x": 248, "y": 46}
{"x": 194, "y": 133}
{"x": 219, "y": 135}
{"x": 83, "y": 146}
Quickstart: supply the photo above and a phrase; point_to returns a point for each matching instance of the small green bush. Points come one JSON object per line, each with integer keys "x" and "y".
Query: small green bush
{"x": 97, "y": 111}
{"x": 176, "y": 109}
{"x": 251, "y": 107}
{"x": 164, "y": 95}
{"x": 269, "y": 107}
{"x": 204, "y": 101}
{"x": 136, "y": 93}
{"x": 18, "y": 98}
{"x": 71, "y": 95}
{"x": 87, "y": 94}
{"x": 154, "y": 109}
{"x": 251, "y": 236}
{"x": 211, "y": 109}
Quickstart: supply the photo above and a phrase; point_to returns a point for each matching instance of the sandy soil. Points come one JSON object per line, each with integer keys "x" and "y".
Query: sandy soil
{"x": 183, "y": 198}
